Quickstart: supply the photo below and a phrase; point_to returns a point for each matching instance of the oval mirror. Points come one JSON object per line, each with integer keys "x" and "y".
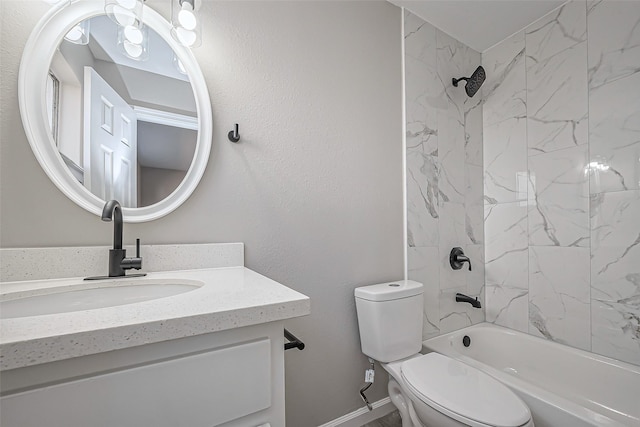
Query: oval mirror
{"x": 110, "y": 120}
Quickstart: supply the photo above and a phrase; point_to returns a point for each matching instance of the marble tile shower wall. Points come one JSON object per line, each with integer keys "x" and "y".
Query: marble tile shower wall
{"x": 561, "y": 122}
{"x": 444, "y": 174}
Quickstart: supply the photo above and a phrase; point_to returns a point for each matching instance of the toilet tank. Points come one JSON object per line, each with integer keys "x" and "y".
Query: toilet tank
{"x": 390, "y": 319}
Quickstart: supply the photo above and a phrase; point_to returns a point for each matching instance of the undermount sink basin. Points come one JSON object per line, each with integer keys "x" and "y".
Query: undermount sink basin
{"x": 93, "y": 296}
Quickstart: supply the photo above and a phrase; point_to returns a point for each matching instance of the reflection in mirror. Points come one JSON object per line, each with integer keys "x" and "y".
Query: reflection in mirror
{"x": 126, "y": 128}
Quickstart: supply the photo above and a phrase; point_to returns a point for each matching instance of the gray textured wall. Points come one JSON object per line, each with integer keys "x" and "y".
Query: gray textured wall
{"x": 314, "y": 190}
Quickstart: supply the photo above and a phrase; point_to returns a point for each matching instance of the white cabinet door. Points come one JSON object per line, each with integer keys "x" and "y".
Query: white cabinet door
{"x": 200, "y": 390}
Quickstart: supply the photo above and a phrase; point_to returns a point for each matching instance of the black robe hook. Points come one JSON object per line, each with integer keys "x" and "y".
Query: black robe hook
{"x": 233, "y": 135}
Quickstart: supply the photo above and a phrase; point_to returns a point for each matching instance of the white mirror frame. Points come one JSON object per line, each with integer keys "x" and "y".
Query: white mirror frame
{"x": 34, "y": 66}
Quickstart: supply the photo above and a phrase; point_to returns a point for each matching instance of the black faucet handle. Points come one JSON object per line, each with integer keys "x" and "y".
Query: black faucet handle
{"x": 457, "y": 258}
{"x": 136, "y": 262}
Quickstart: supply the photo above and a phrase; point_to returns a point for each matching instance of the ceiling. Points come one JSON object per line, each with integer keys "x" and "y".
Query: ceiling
{"x": 479, "y": 24}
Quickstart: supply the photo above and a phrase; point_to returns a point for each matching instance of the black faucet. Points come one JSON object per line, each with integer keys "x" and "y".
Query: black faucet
{"x": 118, "y": 262}
{"x": 457, "y": 258}
{"x": 464, "y": 298}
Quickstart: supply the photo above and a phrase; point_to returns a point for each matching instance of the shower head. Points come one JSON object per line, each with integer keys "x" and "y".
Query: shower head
{"x": 474, "y": 82}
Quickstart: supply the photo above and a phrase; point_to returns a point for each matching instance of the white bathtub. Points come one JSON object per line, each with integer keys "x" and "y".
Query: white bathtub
{"x": 563, "y": 386}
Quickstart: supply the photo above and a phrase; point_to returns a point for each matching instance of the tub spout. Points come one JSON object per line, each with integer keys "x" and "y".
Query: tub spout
{"x": 464, "y": 298}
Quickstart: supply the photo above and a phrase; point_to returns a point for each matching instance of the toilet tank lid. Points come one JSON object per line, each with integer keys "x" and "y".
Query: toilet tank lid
{"x": 389, "y": 291}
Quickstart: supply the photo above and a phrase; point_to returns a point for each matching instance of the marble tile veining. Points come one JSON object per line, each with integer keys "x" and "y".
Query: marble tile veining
{"x": 614, "y": 104}
{"x": 557, "y": 31}
{"x": 473, "y": 135}
{"x": 505, "y": 161}
{"x": 561, "y": 143}
{"x": 421, "y": 86}
{"x": 422, "y": 198}
{"x": 614, "y": 41}
{"x": 557, "y": 104}
{"x": 556, "y": 51}
{"x": 452, "y": 234}
{"x": 451, "y": 154}
{"x": 459, "y": 119}
{"x": 422, "y": 91}
{"x": 614, "y": 135}
{"x": 504, "y": 121}
{"x": 444, "y": 140}
{"x": 507, "y": 307}
{"x": 506, "y": 245}
{"x": 616, "y": 330}
{"x": 559, "y": 211}
{"x": 615, "y": 247}
{"x": 504, "y": 90}
{"x": 559, "y": 295}
{"x": 474, "y": 206}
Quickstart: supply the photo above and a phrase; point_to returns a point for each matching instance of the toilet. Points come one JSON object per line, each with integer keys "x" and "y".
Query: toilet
{"x": 429, "y": 390}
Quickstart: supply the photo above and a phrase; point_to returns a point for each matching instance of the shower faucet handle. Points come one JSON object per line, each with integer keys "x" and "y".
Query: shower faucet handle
{"x": 457, "y": 258}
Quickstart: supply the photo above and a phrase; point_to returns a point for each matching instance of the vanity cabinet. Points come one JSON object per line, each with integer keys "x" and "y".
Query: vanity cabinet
{"x": 230, "y": 378}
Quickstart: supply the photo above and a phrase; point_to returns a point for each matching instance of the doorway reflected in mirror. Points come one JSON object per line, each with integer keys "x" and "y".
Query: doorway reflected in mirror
{"x": 126, "y": 129}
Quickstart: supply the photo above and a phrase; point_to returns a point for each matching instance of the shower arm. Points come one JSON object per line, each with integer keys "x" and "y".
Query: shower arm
{"x": 456, "y": 81}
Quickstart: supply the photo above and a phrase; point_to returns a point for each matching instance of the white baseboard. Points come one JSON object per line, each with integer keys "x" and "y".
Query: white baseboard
{"x": 363, "y": 415}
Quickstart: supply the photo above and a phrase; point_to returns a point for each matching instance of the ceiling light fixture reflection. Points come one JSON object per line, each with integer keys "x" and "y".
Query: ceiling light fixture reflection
{"x": 186, "y": 17}
{"x": 79, "y": 34}
{"x": 134, "y": 42}
{"x": 133, "y": 34}
{"x": 124, "y": 12}
{"x": 185, "y": 22}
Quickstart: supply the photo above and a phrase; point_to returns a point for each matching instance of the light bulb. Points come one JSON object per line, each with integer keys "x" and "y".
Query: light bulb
{"x": 79, "y": 33}
{"x": 186, "y": 17}
{"x": 74, "y": 34}
{"x": 186, "y": 37}
{"x": 132, "y": 49}
{"x": 133, "y": 34}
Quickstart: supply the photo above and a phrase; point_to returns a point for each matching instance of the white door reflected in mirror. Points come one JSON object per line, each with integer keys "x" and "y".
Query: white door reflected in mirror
{"x": 110, "y": 142}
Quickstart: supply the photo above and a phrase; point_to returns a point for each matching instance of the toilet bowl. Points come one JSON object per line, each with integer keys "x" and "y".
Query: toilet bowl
{"x": 429, "y": 390}
{"x": 444, "y": 392}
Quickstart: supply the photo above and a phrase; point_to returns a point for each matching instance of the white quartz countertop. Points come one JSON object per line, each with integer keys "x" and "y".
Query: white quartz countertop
{"x": 229, "y": 298}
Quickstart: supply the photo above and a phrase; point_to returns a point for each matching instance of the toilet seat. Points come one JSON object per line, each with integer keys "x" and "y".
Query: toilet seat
{"x": 462, "y": 392}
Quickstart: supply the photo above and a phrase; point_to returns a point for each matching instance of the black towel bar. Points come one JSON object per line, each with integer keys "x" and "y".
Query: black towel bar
{"x": 294, "y": 342}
